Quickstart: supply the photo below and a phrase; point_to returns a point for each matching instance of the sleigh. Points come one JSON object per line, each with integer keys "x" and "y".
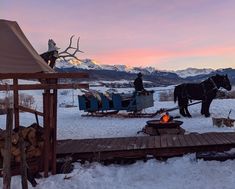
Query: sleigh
{"x": 103, "y": 104}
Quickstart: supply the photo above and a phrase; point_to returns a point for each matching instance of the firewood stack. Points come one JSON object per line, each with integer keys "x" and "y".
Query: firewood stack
{"x": 33, "y": 138}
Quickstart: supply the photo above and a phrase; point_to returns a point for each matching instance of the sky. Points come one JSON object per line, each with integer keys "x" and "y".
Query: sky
{"x": 165, "y": 34}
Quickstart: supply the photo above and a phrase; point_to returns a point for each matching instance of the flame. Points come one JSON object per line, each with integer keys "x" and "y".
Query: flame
{"x": 165, "y": 118}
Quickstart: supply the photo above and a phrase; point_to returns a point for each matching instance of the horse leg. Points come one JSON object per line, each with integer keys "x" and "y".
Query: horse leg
{"x": 186, "y": 108}
{"x": 207, "y": 107}
{"x": 182, "y": 111}
{"x": 181, "y": 107}
{"x": 203, "y": 108}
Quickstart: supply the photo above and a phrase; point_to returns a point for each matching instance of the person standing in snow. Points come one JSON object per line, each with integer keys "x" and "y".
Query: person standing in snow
{"x": 138, "y": 83}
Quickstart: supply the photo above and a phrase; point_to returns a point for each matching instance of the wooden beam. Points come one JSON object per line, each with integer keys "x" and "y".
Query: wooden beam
{"x": 54, "y": 131}
{"x": 25, "y": 109}
{"x": 16, "y": 103}
{"x": 23, "y": 163}
{"x": 43, "y": 75}
{"x": 46, "y": 126}
{"x": 44, "y": 86}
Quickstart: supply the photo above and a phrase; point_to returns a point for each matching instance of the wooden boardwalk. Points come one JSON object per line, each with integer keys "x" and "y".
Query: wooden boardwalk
{"x": 165, "y": 146}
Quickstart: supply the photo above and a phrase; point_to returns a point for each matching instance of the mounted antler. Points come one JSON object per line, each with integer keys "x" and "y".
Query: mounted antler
{"x": 65, "y": 54}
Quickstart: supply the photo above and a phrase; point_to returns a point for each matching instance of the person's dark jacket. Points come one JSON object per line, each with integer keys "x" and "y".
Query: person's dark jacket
{"x": 138, "y": 83}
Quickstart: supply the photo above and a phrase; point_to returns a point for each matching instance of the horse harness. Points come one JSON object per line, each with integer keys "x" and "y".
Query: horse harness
{"x": 205, "y": 90}
{"x": 213, "y": 89}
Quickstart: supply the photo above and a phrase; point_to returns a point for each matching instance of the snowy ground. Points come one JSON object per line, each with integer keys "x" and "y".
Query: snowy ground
{"x": 181, "y": 172}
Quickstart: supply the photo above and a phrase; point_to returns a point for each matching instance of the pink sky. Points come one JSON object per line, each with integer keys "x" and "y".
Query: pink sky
{"x": 165, "y": 34}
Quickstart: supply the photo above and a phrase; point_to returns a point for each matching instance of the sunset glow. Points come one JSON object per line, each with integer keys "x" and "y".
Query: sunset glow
{"x": 165, "y": 34}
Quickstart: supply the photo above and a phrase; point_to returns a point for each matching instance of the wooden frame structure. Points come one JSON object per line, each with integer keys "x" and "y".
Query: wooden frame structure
{"x": 48, "y": 83}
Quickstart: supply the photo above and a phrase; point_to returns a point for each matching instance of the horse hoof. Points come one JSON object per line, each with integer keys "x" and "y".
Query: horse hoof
{"x": 207, "y": 115}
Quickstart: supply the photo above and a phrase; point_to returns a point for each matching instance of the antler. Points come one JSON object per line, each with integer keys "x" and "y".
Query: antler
{"x": 65, "y": 54}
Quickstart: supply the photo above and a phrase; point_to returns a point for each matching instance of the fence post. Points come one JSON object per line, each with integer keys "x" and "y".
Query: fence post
{"x": 7, "y": 150}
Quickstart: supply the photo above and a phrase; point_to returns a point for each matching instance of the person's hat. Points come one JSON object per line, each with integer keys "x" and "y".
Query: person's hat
{"x": 139, "y": 74}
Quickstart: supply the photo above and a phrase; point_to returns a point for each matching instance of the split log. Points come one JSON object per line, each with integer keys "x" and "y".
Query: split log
{"x": 33, "y": 140}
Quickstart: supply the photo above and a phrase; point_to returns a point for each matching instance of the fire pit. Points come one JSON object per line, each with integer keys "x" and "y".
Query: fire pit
{"x": 165, "y": 125}
{"x": 168, "y": 125}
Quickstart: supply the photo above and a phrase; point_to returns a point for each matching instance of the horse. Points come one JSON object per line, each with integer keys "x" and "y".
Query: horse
{"x": 205, "y": 91}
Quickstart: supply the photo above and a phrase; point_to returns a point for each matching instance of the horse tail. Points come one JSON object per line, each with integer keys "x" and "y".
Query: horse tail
{"x": 176, "y": 93}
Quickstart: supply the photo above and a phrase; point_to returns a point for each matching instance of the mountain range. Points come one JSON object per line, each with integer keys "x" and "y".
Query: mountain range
{"x": 99, "y": 72}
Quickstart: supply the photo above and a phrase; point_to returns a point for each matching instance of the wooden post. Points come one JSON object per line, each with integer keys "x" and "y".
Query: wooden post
{"x": 23, "y": 163}
{"x": 46, "y": 123}
{"x": 54, "y": 131}
{"x": 16, "y": 103}
{"x": 7, "y": 151}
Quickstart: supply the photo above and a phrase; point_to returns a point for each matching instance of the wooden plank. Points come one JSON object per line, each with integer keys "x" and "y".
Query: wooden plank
{"x": 201, "y": 139}
{"x": 224, "y": 137}
{"x": 98, "y": 144}
{"x": 115, "y": 144}
{"x": 157, "y": 142}
{"x": 43, "y": 75}
{"x": 25, "y": 109}
{"x": 139, "y": 142}
{"x": 163, "y": 141}
{"x": 144, "y": 142}
{"x": 176, "y": 141}
{"x": 44, "y": 86}
{"x": 188, "y": 140}
{"x": 221, "y": 138}
{"x": 151, "y": 142}
{"x": 218, "y": 140}
{"x": 231, "y": 136}
{"x": 207, "y": 137}
{"x": 170, "y": 142}
{"x": 182, "y": 141}
{"x": 132, "y": 143}
{"x": 195, "y": 140}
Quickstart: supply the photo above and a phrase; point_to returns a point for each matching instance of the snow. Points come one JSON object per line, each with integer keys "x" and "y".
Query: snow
{"x": 179, "y": 172}
{"x": 193, "y": 72}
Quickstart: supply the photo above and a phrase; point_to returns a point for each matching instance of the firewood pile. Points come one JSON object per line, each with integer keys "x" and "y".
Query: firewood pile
{"x": 33, "y": 138}
{"x": 220, "y": 122}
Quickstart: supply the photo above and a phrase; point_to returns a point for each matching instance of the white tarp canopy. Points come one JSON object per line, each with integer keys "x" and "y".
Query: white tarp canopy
{"x": 16, "y": 53}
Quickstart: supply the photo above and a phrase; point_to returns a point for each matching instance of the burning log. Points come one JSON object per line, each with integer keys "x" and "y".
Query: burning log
{"x": 166, "y": 118}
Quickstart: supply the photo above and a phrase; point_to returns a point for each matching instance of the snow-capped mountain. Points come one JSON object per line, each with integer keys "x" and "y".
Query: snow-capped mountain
{"x": 189, "y": 72}
{"x": 115, "y": 72}
{"x": 89, "y": 64}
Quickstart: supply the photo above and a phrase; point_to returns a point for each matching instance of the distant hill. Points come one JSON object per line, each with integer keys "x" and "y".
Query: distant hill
{"x": 156, "y": 77}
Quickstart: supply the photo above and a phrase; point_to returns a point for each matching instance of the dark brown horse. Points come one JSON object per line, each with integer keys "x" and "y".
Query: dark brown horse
{"x": 205, "y": 91}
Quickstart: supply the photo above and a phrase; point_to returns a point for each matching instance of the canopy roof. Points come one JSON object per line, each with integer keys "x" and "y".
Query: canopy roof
{"x": 16, "y": 53}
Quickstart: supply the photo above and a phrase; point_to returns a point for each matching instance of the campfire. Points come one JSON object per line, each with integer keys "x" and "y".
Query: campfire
{"x": 164, "y": 125}
{"x": 166, "y": 118}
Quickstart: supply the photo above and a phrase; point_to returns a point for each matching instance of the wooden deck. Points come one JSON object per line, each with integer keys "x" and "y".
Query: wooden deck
{"x": 141, "y": 147}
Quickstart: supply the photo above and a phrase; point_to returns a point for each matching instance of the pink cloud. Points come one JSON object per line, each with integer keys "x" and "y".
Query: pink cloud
{"x": 145, "y": 57}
